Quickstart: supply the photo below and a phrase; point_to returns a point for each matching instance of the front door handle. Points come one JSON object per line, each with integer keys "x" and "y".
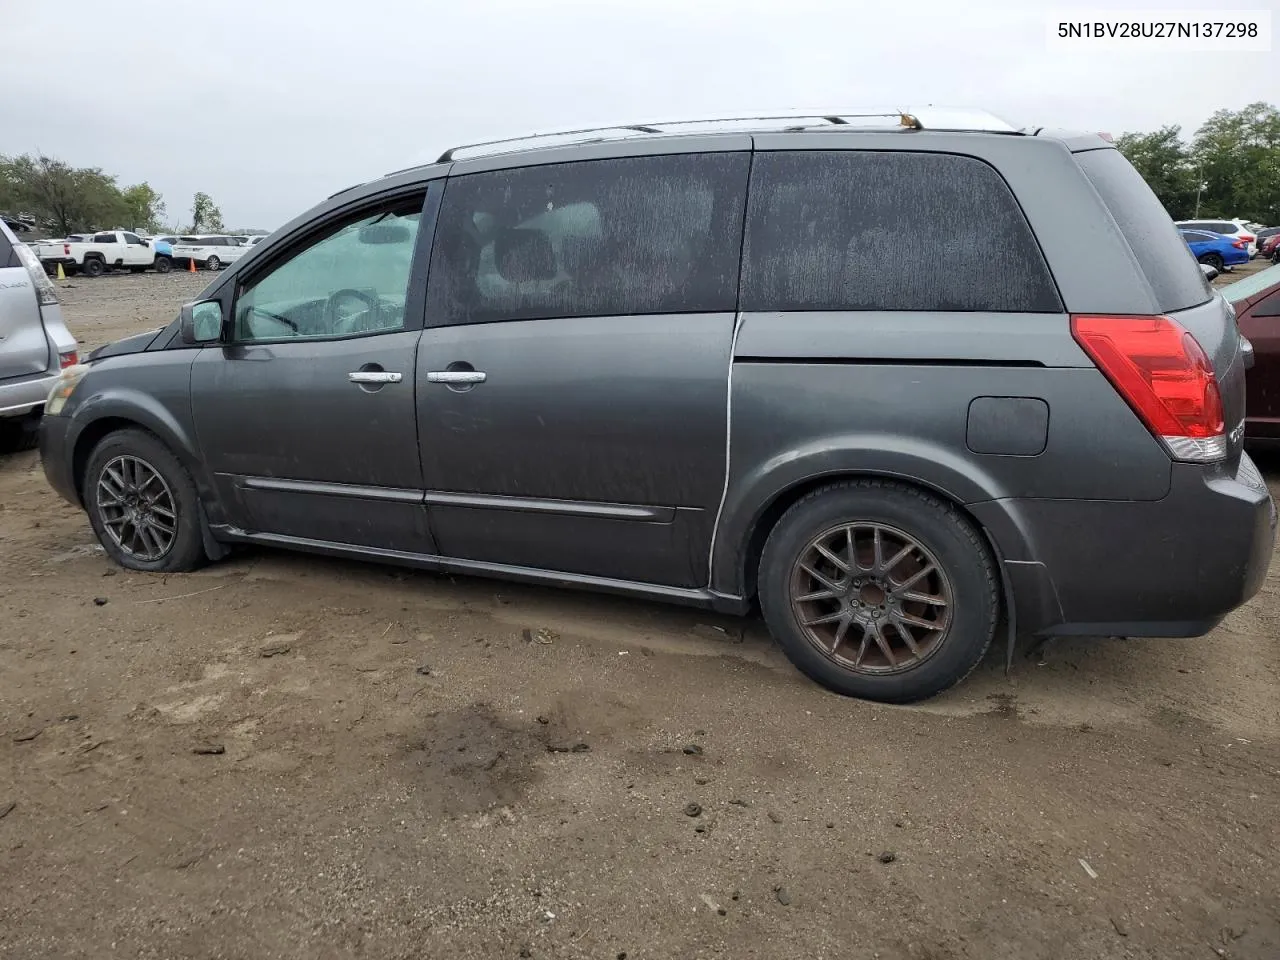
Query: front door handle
{"x": 456, "y": 376}
{"x": 374, "y": 376}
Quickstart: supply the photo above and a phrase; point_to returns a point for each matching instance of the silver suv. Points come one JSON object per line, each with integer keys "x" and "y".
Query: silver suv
{"x": 715, "y": 365}
{"x": 35, "y": 345}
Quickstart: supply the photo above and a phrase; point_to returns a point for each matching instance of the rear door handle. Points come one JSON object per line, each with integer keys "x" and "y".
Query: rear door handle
{"x": 456, "y": 376}
{"x": 374, "y": 376}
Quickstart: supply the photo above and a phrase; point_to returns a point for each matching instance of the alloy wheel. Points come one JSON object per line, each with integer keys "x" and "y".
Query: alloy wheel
{"x": 137, "y": 508}
{"x": 871, "y": 597}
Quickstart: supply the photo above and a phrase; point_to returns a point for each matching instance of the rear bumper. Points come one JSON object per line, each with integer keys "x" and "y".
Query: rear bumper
{"x": 55, "y": 457}
{"x": 1166, "y": 568}
{"x": 21, "y": 397}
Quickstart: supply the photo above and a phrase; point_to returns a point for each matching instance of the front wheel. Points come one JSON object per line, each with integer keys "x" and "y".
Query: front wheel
{"x": 142, "y": 504}
{"x": 879, "y": 590}
{"x": 1214, "y": 260}
{"x": 163, "y": 264}
{"x": 214, "y": 264}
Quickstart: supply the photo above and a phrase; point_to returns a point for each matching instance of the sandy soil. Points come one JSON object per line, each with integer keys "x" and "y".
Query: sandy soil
{"x": 283, "y": 756}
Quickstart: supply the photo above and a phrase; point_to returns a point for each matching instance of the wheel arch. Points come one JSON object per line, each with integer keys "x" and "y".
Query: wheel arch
{"x": 782, "y": 500}
{"x": 111, "y": 416}
{"x": 757, "y": 497}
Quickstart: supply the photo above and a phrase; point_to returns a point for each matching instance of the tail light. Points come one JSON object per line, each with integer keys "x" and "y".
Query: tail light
{"x": 66, "y": 249}
{"x": 1165, "y": 377}
{"x": 67, "y": 359}
{"x": 46, "y": 292}
{"x": 1239, "y": 244}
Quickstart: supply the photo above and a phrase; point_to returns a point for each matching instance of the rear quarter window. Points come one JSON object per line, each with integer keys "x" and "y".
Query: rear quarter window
{"x": 888, "y": 230}
{"x": 1175, "y": 278}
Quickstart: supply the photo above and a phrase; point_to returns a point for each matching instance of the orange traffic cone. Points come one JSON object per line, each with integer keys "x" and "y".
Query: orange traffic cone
{"x": 191, "y": 265}
{"x": 62, "y": 274}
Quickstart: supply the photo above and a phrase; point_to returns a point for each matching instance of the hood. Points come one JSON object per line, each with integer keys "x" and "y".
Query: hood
{"x": 135, "y": 344}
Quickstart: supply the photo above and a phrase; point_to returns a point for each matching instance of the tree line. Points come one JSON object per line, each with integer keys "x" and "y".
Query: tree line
{"x": 1230, "y": 168}
{"x": 63, "y": 199}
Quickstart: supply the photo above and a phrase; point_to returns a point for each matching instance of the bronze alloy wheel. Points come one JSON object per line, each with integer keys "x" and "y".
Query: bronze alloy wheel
{"x": 137, "y": 508}
{"x": 871, "y": 598}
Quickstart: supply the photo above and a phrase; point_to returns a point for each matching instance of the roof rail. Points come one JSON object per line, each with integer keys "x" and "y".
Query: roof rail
{"x": 924, "y": 118}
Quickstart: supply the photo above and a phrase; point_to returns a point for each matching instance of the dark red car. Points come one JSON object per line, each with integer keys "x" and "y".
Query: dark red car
{"x": 1256, "y": 300}
{"x": 1269, "y": 247}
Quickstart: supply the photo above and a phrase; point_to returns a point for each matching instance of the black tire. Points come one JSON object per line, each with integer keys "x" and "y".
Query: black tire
{"x": 93, "y": 267}
{"x": 1213, "y": 260}
{"x": 186, "y": 551}
{"x": 19, "y": 434}
{"x": 966, "y": 567}
{"x": 214, "y": 264}
{"x": 163, "y": 264}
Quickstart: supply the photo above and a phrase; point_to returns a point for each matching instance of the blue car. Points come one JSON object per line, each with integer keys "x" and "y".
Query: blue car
{"x": 1215, "y": 249}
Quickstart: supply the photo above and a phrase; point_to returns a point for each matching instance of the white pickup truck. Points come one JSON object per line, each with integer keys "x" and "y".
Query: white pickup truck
{"x": 94, "y": 254}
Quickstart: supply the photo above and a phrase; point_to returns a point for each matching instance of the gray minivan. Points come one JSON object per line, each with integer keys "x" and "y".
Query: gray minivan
{"x": 35, "y": 345}
{"x": 713, "y": 365}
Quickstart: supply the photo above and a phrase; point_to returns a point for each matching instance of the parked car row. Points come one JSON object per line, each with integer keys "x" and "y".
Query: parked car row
{"x": 96, "y": 253}
{"x": 1235, "y": 229}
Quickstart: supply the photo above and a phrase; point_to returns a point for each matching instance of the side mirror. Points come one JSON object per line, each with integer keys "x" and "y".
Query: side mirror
{"x": 201, "y": 322}
{"x": 1208, "y": 271}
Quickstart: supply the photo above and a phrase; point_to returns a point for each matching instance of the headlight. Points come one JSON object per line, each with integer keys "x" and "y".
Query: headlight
{"x": 63, "y": 389}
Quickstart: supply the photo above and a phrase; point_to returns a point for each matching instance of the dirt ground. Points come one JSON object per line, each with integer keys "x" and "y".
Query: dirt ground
{"x": 284, "y": 756}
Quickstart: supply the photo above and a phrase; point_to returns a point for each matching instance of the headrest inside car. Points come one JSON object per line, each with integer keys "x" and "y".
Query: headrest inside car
{"x": 522, "y": 255}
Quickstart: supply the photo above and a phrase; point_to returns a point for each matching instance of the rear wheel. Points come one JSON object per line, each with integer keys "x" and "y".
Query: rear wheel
{"x": 142, "y": 504}
{"x": 213, "y": 263}
{"x": 1214, "y": 260}
{"x": 879, "y": 590}
{"x": 93, "y": 267}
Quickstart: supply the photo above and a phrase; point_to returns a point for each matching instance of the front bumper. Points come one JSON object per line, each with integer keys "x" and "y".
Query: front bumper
{"x": 1166, "y": 568}
{"x": 56, "y": 457}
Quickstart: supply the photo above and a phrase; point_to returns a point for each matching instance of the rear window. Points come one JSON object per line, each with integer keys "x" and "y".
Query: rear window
{"x": 868, "y": 230}
{"x": 1171, "y": 270}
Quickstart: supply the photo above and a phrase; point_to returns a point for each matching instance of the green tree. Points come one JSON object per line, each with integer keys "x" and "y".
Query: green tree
{"x": 1166, "y": 165}
{"x": 66, "y": 198}
{"x": 1239, "y": 155}
{"x": 145, "y": 207}
{"x": 205, "y": 215}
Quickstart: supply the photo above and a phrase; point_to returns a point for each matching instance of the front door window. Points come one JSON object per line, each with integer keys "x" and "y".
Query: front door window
{"x": 350, "y": 282}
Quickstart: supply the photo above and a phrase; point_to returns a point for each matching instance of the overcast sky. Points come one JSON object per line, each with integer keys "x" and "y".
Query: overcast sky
{"x": 271, "y": 105}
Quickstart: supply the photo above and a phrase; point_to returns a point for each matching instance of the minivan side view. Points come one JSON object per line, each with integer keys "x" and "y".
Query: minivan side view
{"x": 695, "y": 363}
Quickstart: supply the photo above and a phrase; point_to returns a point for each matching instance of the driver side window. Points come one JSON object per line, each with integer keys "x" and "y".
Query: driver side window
{"x": 352, "y": 281}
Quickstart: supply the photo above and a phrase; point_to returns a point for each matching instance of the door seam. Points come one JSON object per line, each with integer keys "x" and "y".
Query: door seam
{"x": 728, "y": 443}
